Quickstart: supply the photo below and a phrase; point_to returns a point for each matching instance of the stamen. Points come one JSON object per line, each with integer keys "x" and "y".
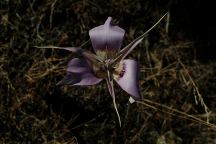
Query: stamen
{"x": 119, "y": 71}
{"x": 122, "y": 72}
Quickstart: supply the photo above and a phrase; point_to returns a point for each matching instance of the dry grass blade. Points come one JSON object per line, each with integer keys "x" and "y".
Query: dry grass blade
{"x": 112, "y": 93}
{"x": 127, "y": 49}
{"x": 40, "y": 69}
{"x": 197, "y": 95}
{"x": 174, "y": 112}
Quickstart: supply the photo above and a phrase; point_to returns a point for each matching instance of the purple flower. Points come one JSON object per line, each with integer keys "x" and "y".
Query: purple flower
{"x": 108, "y": 62}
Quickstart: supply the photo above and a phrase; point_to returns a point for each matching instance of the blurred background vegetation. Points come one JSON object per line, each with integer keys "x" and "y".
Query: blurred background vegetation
{"x": 177, "y": 63}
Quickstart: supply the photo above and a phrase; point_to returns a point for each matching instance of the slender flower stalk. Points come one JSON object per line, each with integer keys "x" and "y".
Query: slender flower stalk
{"x": 108, "y": 62}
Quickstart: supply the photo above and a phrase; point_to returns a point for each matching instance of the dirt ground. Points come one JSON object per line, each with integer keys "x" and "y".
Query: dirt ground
{"x": 177, "y": 73}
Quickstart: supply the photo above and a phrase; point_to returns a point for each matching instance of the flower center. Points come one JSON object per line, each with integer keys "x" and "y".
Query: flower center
{"x": 102, "y": 68}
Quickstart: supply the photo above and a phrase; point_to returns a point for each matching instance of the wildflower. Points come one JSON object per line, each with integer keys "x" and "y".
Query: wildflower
{"x": 108, "y": 62}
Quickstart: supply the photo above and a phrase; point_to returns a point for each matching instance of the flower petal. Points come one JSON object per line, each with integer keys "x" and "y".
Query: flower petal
{"x": 107, "y": 37}
{"x": 79, "y": 79}
{"x": 78, "y": 65}
{"x": 79, "y": 73}
{"x": 88, "y": 79}
{"x": 128, "y": 78}
{"x": 70, "y": 79}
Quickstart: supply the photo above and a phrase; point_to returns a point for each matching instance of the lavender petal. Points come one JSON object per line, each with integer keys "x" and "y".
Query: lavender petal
{"x": 79, "y": 73}
{"x": 128, "y": 78}
{"x": 107, "y": 37}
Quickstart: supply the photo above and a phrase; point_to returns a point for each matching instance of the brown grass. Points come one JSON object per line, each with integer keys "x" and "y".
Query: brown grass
{"x": 178, "y": 90}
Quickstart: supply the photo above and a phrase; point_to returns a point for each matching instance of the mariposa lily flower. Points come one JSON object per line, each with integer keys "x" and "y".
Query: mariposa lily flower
{"x": 108, "y": 62}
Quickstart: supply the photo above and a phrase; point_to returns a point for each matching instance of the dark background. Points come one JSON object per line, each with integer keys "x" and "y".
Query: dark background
{"x": 175, "y": 68}
{"x": 196, "y": 20}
